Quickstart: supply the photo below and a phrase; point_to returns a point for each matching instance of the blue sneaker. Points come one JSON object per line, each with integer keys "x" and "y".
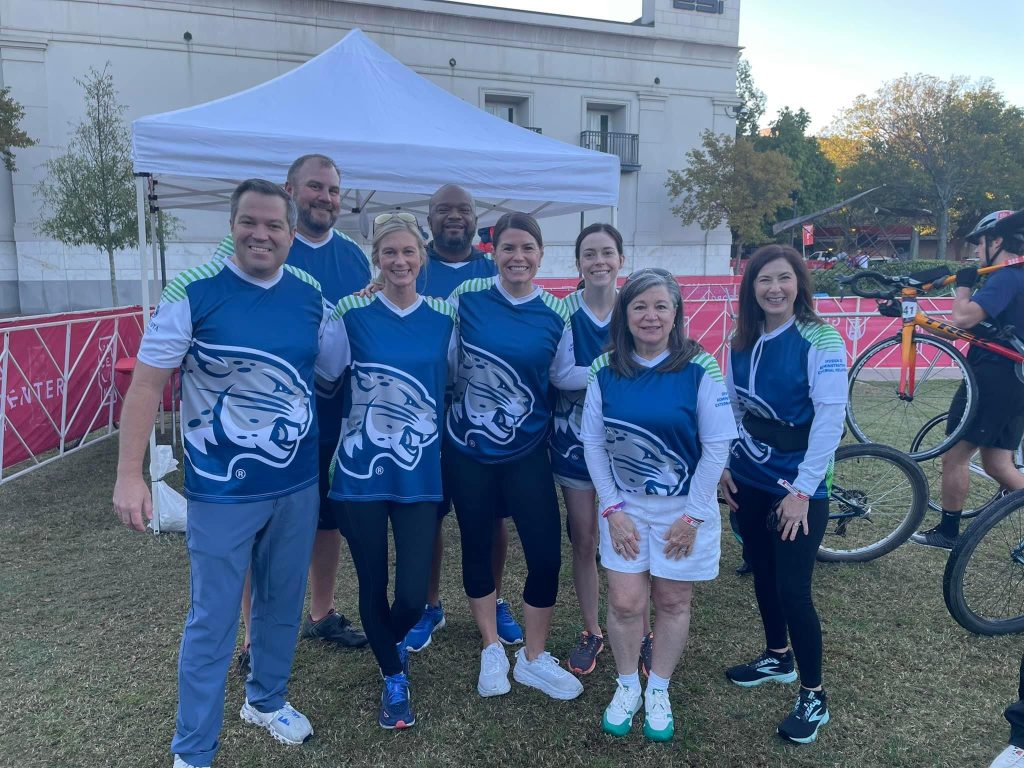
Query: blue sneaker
{"x": 509, "y": 631}
{"x": 419, "y": 636}
{"x": 395, "y": 705}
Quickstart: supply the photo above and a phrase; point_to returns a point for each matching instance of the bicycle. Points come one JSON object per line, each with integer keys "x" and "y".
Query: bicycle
{"x": 983, "y": 490}
{"x": 901, "y": 383}
{"x": 983, "y": 584}
{"x": 879, "y": 496}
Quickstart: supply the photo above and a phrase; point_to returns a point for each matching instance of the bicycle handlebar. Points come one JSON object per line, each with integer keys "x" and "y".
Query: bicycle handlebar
{"x": 854, "y": 281}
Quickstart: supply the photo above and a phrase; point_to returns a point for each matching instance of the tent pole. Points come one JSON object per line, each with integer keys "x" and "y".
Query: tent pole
{"x": 141, "y": 210}
{"x": 615, "y": 216}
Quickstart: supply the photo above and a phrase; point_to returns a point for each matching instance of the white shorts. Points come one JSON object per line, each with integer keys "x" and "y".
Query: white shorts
{"x": 653, "y": 516}
{"x": 572, "y": 482}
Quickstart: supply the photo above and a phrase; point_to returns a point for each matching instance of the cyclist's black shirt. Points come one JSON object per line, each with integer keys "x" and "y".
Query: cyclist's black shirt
{"x": 1002, "y": 298}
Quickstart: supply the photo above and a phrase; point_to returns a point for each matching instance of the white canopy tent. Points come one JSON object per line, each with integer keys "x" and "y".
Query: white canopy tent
{"x": 396, "y": 136}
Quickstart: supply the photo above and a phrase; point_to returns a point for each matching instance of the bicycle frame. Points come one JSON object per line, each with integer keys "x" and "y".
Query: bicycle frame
{"x": 914, "y": 318}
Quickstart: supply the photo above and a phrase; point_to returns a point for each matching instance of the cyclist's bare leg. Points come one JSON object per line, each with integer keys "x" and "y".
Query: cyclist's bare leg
{"x": 956, "y": 476}
{"x": 999, "y": 465}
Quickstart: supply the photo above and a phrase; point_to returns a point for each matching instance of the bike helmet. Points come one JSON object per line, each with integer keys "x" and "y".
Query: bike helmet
{"x": 986, "y": 225}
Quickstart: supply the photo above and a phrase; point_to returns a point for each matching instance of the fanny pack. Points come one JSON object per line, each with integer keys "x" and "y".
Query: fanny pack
{"x": 780, "y": 436}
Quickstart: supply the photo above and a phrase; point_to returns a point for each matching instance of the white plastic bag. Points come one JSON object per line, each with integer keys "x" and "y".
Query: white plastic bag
{"x": 169, "y": 506}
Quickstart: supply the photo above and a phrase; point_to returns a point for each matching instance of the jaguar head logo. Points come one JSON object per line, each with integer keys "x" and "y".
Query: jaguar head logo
{"x": 641, "y": 462}
{"x": 490, "y": 399}
{"x": 568, "y": 423}
{"x": 242, "y": 404}
{"x": 392, "y": 418}
{"x": 755, "y": 450}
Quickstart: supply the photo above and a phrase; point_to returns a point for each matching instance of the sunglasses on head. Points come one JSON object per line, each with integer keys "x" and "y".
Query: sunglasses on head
{"x": 384, "y": 218}
{"x": 651, "y": 271}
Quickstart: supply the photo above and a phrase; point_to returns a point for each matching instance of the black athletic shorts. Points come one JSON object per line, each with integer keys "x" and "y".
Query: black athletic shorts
{"x": 329, "y": 519}
{"x": 999, "y": 420}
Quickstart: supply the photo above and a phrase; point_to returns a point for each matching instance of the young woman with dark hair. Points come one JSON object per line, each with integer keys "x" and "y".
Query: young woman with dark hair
{"x": 787, "y": 381}
{"x": 656, "y": 433}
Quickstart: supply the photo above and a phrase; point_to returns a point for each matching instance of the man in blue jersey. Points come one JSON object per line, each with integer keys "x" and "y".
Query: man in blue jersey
{"x": 245, "y": 334}
{"x": 341, "y": 268}
{"x": 451, "y": 261}
{"x": 997, "y": 426}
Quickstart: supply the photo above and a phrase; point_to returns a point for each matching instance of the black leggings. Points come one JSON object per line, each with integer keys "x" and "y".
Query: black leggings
{"x": 522, "y": 489}
{"x": 782, "y": 577}
{"x": 1015, "y": 713}
{"x": 366, "y": 528}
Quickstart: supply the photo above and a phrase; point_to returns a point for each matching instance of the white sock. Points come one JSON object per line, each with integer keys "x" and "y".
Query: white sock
{"x": 657, "y": 683}
{"x": 630, "y": 681}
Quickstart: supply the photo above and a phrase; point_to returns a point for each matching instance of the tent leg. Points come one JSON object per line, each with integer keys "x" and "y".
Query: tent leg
{"x": 615, "y": 216}
{"x": 141, "y": 210}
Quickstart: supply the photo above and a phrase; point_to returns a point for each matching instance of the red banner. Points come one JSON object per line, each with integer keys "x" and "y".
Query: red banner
{"x": 58, "y": 377}
{"x": 808, "y": 230}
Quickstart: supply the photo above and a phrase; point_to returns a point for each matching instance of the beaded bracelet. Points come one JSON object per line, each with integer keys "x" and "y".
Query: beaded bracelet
{"x": 613, "y": 508}
{"x": 793, "y": 490}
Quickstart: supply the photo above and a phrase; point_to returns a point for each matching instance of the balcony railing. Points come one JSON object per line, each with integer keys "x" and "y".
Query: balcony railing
{"x": 625, "y": 145}
{"x": 532, "y": 128}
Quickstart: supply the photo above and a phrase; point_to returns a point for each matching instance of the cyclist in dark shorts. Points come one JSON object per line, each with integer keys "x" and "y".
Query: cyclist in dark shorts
{"x": 998, "y": 424}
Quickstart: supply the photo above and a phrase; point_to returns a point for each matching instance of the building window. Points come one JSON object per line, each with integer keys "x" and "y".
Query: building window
{"x": 512, "y": 109}
{"x": 702, "y": 6}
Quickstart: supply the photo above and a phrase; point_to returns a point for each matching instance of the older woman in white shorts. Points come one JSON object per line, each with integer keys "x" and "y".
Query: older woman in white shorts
{"x": 656, "y": 431}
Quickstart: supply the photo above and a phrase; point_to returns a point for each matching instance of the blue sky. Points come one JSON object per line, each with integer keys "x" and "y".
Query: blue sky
{"x": 821, "y": 55}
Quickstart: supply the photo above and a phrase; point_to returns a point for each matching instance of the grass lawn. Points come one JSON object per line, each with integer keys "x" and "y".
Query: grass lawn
{"x": 92, "y": 615}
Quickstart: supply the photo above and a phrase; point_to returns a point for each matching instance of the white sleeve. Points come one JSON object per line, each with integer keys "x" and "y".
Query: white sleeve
{"x": 702, "y": 499}
{"x": 715, "y": 416}
{"x": 168, "y": 335}
{"x": 730, "y": 387}
{"x": 826, "y": 432}
{"x": 594, "y": 451}
{"x": 335, "y": 351}
{"x": 826, "y": 374}
{"x": 564, "y": 373}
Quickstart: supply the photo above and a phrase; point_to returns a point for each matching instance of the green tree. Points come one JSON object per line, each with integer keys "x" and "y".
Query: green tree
{"x": 815, "y": 172}
{"x": 11, "y": 135}
{"x": 951, "y": 146}
{"x": 727, "y": 180}
{"x": 89, "y": 195}
{"x": 752, "y": 100}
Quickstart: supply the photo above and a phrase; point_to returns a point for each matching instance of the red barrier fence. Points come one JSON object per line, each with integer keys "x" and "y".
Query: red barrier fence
{"x": 58, "y": 380}
{"x": 57, "y": 374}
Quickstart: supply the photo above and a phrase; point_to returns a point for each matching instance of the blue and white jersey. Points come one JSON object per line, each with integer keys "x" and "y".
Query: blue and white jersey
{"x": 341, "y": 268}
{"x": 785, "y": 376}
{"x": 440, "y": 278}
{"x": 589, "y": 336}
{"x": 655, "y": 424}
{"x": 247, "y": 350}
{"x": 396, "y": 366}
{"x": 510, "y": 351}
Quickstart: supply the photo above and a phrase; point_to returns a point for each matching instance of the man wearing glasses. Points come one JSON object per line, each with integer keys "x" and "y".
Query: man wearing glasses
{"x": 341, "y": 268}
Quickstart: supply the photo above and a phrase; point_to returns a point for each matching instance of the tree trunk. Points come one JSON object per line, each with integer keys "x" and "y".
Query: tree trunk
{"x": 943, "y": 233}
{"x": 113, "y": 276}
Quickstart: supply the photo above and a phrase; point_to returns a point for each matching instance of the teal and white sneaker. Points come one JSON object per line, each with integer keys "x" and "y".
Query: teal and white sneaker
{"x": 618, "y": 715}
{"x": 287, "y": 724}
{"x": 658, "y": 724}
{"x": 179, "y": 763}
{"x": 808, "y": 715}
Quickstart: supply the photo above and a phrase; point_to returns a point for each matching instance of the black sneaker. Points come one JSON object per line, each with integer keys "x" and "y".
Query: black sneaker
{"x": 744, "y": 568}
{"x": 809, "y": 714}
{"x": 933, "y": 537}
{"x": 769, "y": 666}
{"x": 243, "y": 664}
{"x": 334, "y": 628}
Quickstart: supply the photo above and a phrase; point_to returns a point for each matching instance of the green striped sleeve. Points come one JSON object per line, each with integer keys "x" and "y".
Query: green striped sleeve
{"x": 822, "y": 336}
{"x": 555, "y": 304}
{"x": 474, "y": 284}
{"x": 225, "y": 248}
{"x": 440, "y": 305}
{"x": 709, "y": 364}
{"x": 600, "y": 362}
{"x": 175, "y": 290}
{"x": 304, "y": 276}
{"x": 347, "y": 303}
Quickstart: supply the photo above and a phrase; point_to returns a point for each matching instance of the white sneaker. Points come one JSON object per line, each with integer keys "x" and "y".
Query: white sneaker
{"x": 1011, "y": 757}
{"x": 546, "y": 675}
{"x": 179, "y": 763}
{"x": 618, "y": 715}
{"x": 287, "y": 725}
{"x": 493, "y": 680}
{"x": 658, "y": 724}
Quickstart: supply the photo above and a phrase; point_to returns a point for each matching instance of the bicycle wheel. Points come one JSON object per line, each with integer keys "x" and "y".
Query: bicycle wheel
{"x": 878, "y": 499}
{"x": 984, "y": 579}
{"x": 876, "y": 413}
{"x": 982, "y": 491}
